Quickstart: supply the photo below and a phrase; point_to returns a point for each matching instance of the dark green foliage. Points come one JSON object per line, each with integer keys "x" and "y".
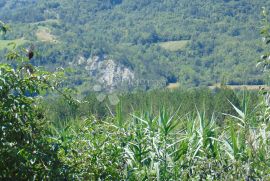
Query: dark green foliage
{"x": 3, "y": 28}
{"x": 222, "y": 36}
{"x": 224, "y": 98}
{"x": 265, "y": 32}
{"x": 89, "y": 149}
{"x": 185, "y": 101}
{"x": 23, "y": 151}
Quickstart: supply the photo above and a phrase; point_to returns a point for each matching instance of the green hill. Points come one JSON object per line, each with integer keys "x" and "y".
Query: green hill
{"x": 191, "y": 42}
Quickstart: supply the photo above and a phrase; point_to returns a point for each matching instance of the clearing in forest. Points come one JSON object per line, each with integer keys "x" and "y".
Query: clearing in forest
{"x": 44, "y": 34}
{"x": 174, "y": 45}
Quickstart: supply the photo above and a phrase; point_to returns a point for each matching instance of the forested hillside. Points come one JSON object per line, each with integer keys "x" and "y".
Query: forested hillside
{"x": 191, "y": 42}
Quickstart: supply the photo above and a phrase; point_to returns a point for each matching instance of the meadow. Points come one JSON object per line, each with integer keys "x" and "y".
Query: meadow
{"x": 174, "y": 45}
{"x": 10, "y": 43}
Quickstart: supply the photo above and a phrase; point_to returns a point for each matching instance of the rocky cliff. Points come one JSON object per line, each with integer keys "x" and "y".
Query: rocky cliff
{"x": 106, "y": 71}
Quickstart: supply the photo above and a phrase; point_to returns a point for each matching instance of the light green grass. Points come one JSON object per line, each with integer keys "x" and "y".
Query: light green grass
{"x": 7, "y": 43}
{"x": 44, "y": 34}
{"x": 174, "y": 45}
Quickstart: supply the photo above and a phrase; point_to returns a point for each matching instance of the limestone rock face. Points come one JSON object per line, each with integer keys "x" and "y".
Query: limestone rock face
{"x": 106, "y": 71}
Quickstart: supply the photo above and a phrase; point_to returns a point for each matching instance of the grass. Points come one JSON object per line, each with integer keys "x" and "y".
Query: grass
{"x": 243, "y": 87}
{"x": 168, "y": 147}
{"x": 174, "y": 45}
{"x": 44, "y": 34}
{"x": 5, "y": 43}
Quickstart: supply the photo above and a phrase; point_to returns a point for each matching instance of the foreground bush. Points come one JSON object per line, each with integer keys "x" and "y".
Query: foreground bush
{"x": 24, "y": 153}
{"x": 90, "y": 150}
{"x": 25, "y": 150}
{"x": 165, "y": 147}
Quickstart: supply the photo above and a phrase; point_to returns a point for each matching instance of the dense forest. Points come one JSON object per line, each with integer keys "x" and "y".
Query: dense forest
{"x": 194, "y": 43}
{"x": 58, "y": 122}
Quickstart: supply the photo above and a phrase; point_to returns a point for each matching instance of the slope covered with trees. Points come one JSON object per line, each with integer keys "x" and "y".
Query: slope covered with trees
{"x": 192, "y": 42}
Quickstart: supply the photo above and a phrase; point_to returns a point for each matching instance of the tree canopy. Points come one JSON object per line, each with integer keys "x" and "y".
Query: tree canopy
{"x": 196, "y": 43}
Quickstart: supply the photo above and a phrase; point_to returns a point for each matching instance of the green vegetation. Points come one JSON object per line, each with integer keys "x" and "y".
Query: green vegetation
{"x": 44, "y": 34}
{"x": 185, "y": 101}
{"x": 164, "y": 147}
{"x": 24, "y": 152}
{"x": 166, "y": 134}
{"x": 9, "y": 43}
{"x": 220, "y": 35}
{"x": 174, "y": 45}
{"x": 46, "y": 22}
